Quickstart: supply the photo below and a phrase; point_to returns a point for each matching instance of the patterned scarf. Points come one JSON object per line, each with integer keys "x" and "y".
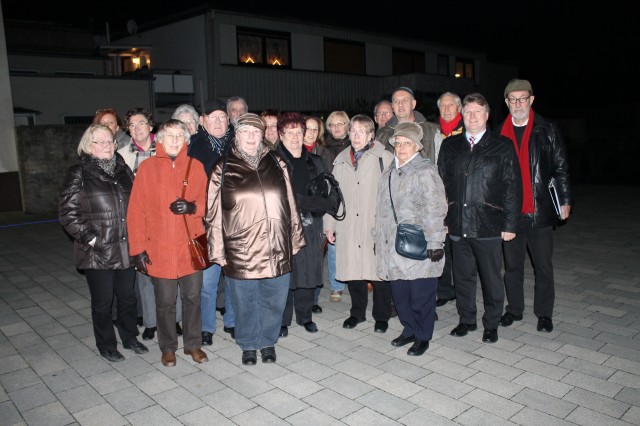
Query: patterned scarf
{"x": 528, "y": 205}
{"x": 217, "y": 144}
{"x": 355, "y": 155}
{"x": 253, "y": 160}
{"x": 107, "y": 165}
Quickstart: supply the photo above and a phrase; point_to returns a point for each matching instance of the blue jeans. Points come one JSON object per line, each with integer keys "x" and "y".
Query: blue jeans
{"x": 335, "y": 285}
{"x": 208, "y": 296}
{"x": 258, "y": 307}
{"x": 229, "y": 317}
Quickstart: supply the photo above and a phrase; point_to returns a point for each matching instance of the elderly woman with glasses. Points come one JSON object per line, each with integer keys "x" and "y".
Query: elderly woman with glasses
{"x": 92, "y": 210}
{"x": 358, "y": 169}
{"x": 419, "y": 199}
{"x": 254, "y": 230}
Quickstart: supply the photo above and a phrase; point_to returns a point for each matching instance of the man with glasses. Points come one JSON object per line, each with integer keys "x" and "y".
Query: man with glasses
{"x": 210, "y": 143}
{"x": 542, "y": 157}
{"x": 271, "y": 136}
{"x": 382, "y": 112}
{"x": 236, "y": 106}
{"x": 403, "y": 103}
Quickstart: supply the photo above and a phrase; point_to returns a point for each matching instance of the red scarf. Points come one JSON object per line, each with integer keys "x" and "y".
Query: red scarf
{"x": 447, "y": 128}
{"x": 523, "y": 158}
{"x": 310, "y": 147}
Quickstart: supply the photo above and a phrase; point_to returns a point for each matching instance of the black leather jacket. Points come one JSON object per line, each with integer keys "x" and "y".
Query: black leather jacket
{"x": 94, "y": 205}
{"x": 483, "y": 186}
{"x": 547, "y": 159}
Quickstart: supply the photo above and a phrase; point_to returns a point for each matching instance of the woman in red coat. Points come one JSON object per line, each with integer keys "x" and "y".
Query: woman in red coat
{"x": 158, "y": 238}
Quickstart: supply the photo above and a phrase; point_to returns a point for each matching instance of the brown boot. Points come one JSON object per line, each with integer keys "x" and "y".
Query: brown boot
{"x": 169, "y": 359}
{"x": 198, "y": 355}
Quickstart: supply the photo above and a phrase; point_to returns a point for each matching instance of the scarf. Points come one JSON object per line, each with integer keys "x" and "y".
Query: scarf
{"x": 523, "y": 158}
{"x": 447, "y": 128}
{"x": 106, "y": 165}
{"x": 217, "y": 144}
{"x": 310, "y": 147}
{"x": 355, "y": 155}
{"x": 253, "y": 160}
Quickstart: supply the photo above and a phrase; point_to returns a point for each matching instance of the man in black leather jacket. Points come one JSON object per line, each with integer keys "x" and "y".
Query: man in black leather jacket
{"x": 484, "y": 190}
{"x": 542, "y": 157}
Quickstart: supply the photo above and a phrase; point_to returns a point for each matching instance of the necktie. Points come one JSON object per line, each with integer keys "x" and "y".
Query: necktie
{"x": 472, "y": 140}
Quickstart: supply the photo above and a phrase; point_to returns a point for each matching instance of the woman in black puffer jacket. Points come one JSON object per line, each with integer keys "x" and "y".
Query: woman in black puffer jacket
{"x": 93, "y": 211}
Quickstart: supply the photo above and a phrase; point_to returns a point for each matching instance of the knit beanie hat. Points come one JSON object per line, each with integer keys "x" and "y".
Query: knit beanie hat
{"x": 408, "y": 129}
{"x": 250, "y": 119}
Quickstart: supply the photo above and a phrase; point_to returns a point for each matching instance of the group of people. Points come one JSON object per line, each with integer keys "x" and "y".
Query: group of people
{"x": 478, "y": 195}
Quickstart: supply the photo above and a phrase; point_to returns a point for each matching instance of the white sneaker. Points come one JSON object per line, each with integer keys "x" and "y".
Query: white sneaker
{"x": 335, "y": 296}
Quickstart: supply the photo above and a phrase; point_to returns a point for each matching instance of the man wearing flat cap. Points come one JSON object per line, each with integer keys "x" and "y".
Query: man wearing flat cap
{"x": 481, "y": 177}
{"x": 403, "y": 103}
{"x": 212, "y": 141}
{"x": 542, "y": 158}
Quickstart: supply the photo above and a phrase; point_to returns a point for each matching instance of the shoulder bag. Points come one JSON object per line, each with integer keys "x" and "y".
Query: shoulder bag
{"x": 410, "y": 241}
{"x": 198, "y": 247}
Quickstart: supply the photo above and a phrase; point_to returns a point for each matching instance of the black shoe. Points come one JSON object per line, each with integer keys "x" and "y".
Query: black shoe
{"x": 249, "y": 357}
{"x": 148, "y": 333}
{"x": 311, "y": 327}
{"x": 490, "y": 335}
{"x": 508, "y": 318}
{"x": 436, "y": 317}
{"x": 231, "y": 331}
{"x": 112, "y": 355}
{"x": 178, "y": 329}
{"x": 351, "y": 322}
{"x": 221, "y": 310}
{"x": 419, "y": 347}
{"x": 136, "y": 346}
{"x": 402, "y": 340}
{"x": 207, "y": 338}
{"x": 268, "y": 355}
{"x": 545, "y": 324}
{"x": 316, "y": 309}
{"x": 139, "y": 322}
{"x": 463, "y": 329}
{"x": 381, "y": 327}
{"x": 284, "y": 331}
{"x": 442, "y": 302}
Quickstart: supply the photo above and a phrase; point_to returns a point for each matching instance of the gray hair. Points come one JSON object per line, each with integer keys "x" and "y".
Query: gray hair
{"x": 455, "y": 97}
{"x": 84, "y": 147}
{"x": 186, "y": 109}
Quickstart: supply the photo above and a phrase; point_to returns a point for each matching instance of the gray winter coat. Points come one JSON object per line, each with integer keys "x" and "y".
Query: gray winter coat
{"x": 419, "y": 198}
{"x": 431, "y": 139}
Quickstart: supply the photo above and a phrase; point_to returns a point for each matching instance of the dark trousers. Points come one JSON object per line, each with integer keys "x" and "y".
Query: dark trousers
{"x": 446, "y": 290}
{"x": 415, "y": 302}
{"x": 166, "y": 291}
{"x": 539, "y": 241}
{"x": 471, "y": 257}
{"x": 104, "y": 284}
{"x": 360, "y": 297}
{"x": 300, "y": 299}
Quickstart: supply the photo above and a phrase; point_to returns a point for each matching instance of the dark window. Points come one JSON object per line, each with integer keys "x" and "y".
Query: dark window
{"x": 443, "y": 65}
{"x": 464, "y": 68}
{"x": 345, "y": 57}
{"x": 408, "y": 62}
{"x": 262, "y": 47}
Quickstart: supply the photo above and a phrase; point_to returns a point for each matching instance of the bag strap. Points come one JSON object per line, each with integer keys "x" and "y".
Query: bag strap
{"x": 381, "y": 165}
{"x": 392, "y": 208}
{"x": 185, "y": 181}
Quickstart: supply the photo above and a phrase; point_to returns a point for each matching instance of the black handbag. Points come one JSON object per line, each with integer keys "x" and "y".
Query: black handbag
{"x": 326, "y": 186}
{"x": 410, "y": 241}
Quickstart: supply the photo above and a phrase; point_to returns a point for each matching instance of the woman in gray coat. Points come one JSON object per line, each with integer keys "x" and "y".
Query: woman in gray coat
{"x": 418, "y": 198}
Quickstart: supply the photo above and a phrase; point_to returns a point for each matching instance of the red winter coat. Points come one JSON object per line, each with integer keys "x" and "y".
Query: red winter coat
{"x": 152, "y": 226}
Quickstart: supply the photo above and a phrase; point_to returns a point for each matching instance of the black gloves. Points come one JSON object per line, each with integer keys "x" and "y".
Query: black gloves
{"x": 181, "y": 206}
{"x": 140, "y": 261}
{"x": 435, "y": 255}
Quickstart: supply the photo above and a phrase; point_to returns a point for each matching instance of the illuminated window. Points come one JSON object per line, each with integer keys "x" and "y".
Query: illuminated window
{"x": 464, "y": 68}
{"x": 265, "y": 48}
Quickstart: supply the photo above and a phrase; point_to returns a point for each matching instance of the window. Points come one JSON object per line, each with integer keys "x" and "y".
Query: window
{"x": 345, "y": 57}
{"x": 443, "y": 65}
{"x": 262, "y": 47}
{"x": 464, "y": 68}
{"x": 408, "y": 62}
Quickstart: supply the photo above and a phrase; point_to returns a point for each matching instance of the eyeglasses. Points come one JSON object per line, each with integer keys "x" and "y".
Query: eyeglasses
{"x": 103, "y": 143}
{"x": 247, "y": 132}
{"x": 404, "y": 144}
{"x": 384, "y": 114}
{"x": 187, "y": 122}
{"x": 273, "y": 126}
{"x": 353, "y": 133}
{"x": 138, "y": 124}
{"x": 312, "y": 130}
{"x": 519, "y": 100}
{"x": 221, "y": 117}
{"x": 178, "y": 138}
{"x": 337, "y": 124}
{"x": 293, "y": 133}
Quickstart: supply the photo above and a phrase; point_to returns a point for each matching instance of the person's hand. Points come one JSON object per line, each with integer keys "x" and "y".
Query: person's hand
{"x": 331, "y": 236}
{"x": 565, "y": 211}
{"x": 435, "y": 255}
{"x": 140, "y": 261}
{"x": 181, "y": 206}
{"x": 508, "y": 236}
